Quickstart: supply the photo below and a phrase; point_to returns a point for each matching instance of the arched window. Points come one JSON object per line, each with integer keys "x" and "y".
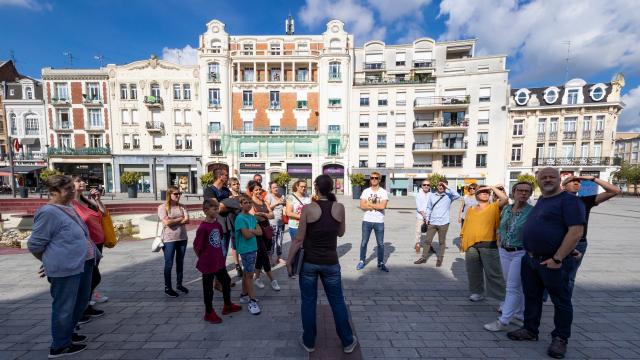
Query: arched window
{"x": 334, "y": 71}
{"x": 216, "y": 46}
{"x": 522, "y": 97}
{"x": 550, "y": 96}
{"x": 31, "y": 124}
{"x": 597, "y": 93}
{"x": 334, "y": 44}
{"x": 13, "y": 125}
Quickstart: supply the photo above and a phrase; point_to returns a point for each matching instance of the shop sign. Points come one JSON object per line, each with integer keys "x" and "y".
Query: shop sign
{"x": 252, "y": 166}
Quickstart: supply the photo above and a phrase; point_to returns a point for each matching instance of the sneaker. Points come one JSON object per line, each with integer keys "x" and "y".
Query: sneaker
{"x": 383, "y": 267}
{"x": 517, "y": 322}
{"x": 91, "y": 302}
{"x": 99, "y": 298}
{"x": 259, "y": 283}
{"x": 275, "y": 286}
{"x": 84, "y": 319}
{"x": 558, "y": 348}
{"x": 182, "y": 289}
{"x": 431, "y": 249}
{"x": 522, "y": 334}
{"x": 231, "y": 308}
{"x": 254, "y": 308}
{"x": 78, "y": 339}
{"x": 69, "y": 350}
{"x": 476, "y": 297}
{"x": 244, "y": 299}
{"x": 212, "y": 317}
{"x": 91, "y": 311}
{"x": 495, "y": 326}
{"x": 360, "y": 265}
{"x": 309, "y": 349}
{"x": 170, "y": 292}
{"x": 421, "y": 260}
{"x": 349, "y": 349}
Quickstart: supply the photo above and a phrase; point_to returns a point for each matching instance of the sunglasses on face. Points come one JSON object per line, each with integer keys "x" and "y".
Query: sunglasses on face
{"x": 178, "y": 194}
{"x": 374, "y": 178}
{"x": 424, "y": 185}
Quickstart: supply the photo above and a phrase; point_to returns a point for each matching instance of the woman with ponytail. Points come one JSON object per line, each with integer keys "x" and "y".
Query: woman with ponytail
{"x": 174, "y": 218}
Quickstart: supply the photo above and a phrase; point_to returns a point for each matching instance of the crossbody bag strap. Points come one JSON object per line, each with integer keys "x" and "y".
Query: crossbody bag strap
{"x": 434, "y": 206}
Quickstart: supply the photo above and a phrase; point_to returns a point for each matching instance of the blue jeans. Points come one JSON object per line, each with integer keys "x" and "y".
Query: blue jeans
{"x": 292, "y": 233}
{"x": 535, "y": 279}
{"x": 332, "y": 284}
{"x": 582, "y": 247}
{"x": 171, "y": 249}
{"x": 71, "y": 295}
{"x": 378, "y": 228}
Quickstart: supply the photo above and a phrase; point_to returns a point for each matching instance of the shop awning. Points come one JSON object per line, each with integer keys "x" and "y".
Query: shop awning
{"x": 20, "y": 169}
{"x": 30, "y": 141}
{"x": 5, "y": 173}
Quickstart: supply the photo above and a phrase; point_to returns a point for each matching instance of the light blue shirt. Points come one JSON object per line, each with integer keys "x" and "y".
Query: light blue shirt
{"x": 438, "y": 214}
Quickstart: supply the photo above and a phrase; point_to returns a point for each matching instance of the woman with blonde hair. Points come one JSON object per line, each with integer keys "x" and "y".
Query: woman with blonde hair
{"x": 174, "y": 217}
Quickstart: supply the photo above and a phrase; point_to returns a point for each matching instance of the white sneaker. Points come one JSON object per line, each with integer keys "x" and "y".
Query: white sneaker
{"x": 349, "y": 349}
{"x": 517, "y": 322}
{"x": 275, "y": 286}
{"x": 301, "y": 341}
{"x": 259, "y": 283}
{"x": 476, "y": 297}
{"x": 91, "y": 302}
{"x": 495, "y": 326}
{"x": 99, "y": 298}
{"x": 254, "y": 308}
{"x": 244, "y": 299}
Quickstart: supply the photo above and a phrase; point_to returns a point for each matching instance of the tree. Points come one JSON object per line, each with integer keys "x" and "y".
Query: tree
{"x": 435, "y": 179}
{"x": 630, "y": 174}
{"x": 528, "y": 178}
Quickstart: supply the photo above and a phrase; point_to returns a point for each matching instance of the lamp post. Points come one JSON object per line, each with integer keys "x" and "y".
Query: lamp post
{"x": 13, "y": 174}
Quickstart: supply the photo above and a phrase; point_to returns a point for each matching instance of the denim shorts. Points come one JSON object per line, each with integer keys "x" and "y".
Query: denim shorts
{"x": 249, "y": 261}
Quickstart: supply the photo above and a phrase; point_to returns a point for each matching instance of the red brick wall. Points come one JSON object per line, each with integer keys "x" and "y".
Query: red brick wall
{"x": 261, "y": 104}
{"x": 236, "y": 105}
{"x": 50, "y": 118}
{"x": 106, "y": 119}
{"x": 76, "y": 93}
{"x": 313, "y": 106}
{"x": 79, "y": 141}
{"x": 288, "y": 103}
{"x": 78, "y": 119}
{"x": 104, "y": 93}
{"x": 48, "y": 91}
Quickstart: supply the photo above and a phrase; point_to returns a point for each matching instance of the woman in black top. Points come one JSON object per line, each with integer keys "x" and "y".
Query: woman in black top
{"x": 321, "y": 222}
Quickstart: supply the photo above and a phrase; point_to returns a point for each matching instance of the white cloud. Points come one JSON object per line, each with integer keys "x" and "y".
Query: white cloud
{"x": 603, "y": 34}
{"x": 630, "y": 116}
{"x": 27, "y": 4}
{"x": 185, "y": 56}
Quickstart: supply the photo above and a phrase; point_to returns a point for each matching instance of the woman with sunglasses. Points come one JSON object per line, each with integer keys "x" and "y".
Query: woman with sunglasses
{"x": 479, "y": 243}
{"x": 174, "y": 217}
{"x": 469, "y": 201}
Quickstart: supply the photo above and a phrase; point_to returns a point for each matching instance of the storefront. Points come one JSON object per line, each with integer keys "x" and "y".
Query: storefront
{"x": 248, "y": 170}
{"x": 302, "y": 172}
{"x": 144, "y": 184}
{"x": 95, "y": 174}
{"x": 336, "y": 172}
{"x": 399, "y": 186}
{"x": 180, "y": 171}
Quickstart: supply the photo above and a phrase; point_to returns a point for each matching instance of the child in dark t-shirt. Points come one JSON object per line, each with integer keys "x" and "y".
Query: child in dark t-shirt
{"x": 208, "y": 246}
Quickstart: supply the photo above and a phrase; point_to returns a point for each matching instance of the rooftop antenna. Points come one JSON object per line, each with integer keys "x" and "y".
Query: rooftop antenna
{"x": 566, "y": 68}
{"x": 100, "y": 58}
{"x": 70, "y": 56}
{"x": 289, "y": 27}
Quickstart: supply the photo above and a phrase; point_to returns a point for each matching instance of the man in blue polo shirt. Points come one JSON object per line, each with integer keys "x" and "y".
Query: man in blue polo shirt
{"x": 554, "y": 227}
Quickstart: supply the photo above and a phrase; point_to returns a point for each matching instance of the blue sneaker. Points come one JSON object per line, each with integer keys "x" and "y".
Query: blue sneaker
{"x": 382, "y": 267}
{"x": 360, "y": 265}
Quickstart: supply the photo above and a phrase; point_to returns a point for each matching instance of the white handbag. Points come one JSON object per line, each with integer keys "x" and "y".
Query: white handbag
{"x": 157, "y": 241}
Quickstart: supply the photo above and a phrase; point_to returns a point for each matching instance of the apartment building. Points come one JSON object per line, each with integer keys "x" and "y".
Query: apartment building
{"x": 77, "y": 113}
{"x": 627, "y": 147}
{"x": 275, "y": 103}
{"x": 156, "y": 126}
{"x": 571, "y": 127}
{"x": 8, "y": 72}
{"x": 428, "y": 107}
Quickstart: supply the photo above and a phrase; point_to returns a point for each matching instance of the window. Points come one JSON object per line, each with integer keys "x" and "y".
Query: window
{"x": 542, "y": 125}
{"x": 155, "y": 90}
{"x": 334, "y": 71}
{"x": 481, "y": 160}
{"x": 363, "y": 161}
{"x": 382, "y": 120}
{"x": 134, "y": 116}
{"x": 584, "y": 150}
{"x": 600, "y": 123}
{"x": 483, "y": 138}
{"x": 126, "y": 141}
{"x": 586, "y": 124}
{"x": 522, "y": 97}
{"x": 178, "y": 142}
{"x": 176, "y": 91}
{"x": 187, "y": 116}
{"x": 274, "y": 129}
{"x": 213, "y": 72}
{"x": 214, "y": 97}
{"x": 64, "y": 140}
{"x": 301, "y": 74}
{"x": 364, "y": 99}
{"x": 28, "y": 93}
{"x": 95, "y": 118}
{"x": 597, "y": 150}
{"x": 551, "y": 151}
{"x": 135, "y": 139}
{"x": 275, "y": 74}
{"x": 540, "y": 151}
{"x": 177, "y": 117}
{"x": 334, "y": 102}
{"x": 124, "y": 114}
{"x": 247, "y": 99}
{"x": 216, "y": 46}
{"x": 303, "y": 48}
{"x": 364, "y": 121}
{"x": 188, "y": 142}
{"x": 301, "y": 104}
{"x": 451, "y": 160}
{"x": 401, "y": 99}
{"x": 334, "y": 129}
{"x": 485, "y": 94}
{"x": 133, "y": 91}
{"x": 247, "y": 74}
{"x": 516, "y": 152}
{"x": 597, "y": 93}
{"x": 216, "y": 147}
{"x": 64, "y": 122}
{"x": 553, "y": 125}
{"x": 399, "y": 141}
{"x": 274, "y": 100}
{"x": 457, "y": 118}
{"x": 124, "y": 92}
{"x": 567, "y": 150}
{"x": 401, "y": 59}
{"x": 274, "y": 48}
{"x": 382, "y": 100}
{"x": 518, "y": 127}
{"x": 93, "y": 91}
{"x": 186, "y": 91}
{"x": 483, "y": 116}
{"x": 13, "y": 124}
{"x": 363, "y": 142}
{"x": 382, "y": 141}
{"x": 247, "y": 49}
{"x": 247, "y": 126}
{"x": 570, "y": 124}
{"x": 381, "y": 161}
{"x": 157, "y": 142}
{"x": 572, "y": 96}
{"x": 398, "y": 161}
{"x": 453, "y": 140}
{"x": 62, "y": 91}
{"x": 95, "y": 140}
{"x": 401, "y": 120}
{"x": 550, "y": 95}
{"x": 333, "y": 147}
{"x": 31, "y": 125}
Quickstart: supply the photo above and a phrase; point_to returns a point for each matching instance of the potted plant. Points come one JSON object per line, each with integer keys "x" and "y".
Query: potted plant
{"x": 528, "y": 178}
{"x": 44, "y": 174}
{"x": 282, "y": 179}
{"x": 357, "y": 182}
{"x": 130, "y": 179}
{"x": 206, "y": 179}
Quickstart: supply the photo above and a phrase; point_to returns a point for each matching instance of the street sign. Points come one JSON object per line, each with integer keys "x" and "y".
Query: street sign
{"x": 16, "y": 145}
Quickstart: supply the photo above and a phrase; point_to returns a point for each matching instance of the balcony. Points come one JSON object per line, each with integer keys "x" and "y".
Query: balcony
{"x": 214, "y": 104}
{"x": 60, "y": 102}
{"x": 424, "y": 64}
{"x": 216, "y": 153}
{"x": 275, "y": 53}
{"x": 157, "y": 147}
{"x": 425, "y": 126}
{"x": 155, "y": 126}
{"x": 541, "y": 136}
{"x": 421, "y": 165}
{"x": 553, "y": 135}
{"x": 153, "y": 101}
{"x": 34, "y": 132}
{"x": 441, "y": 102}
{"x": 376, "y": 66}
{"x": 393, "y": 80}
{"x": 569, "y": 136}
{"x": 91, "y": 101}
{"x": 29, "y": 156}
{"x": 306, "y": 130}
{"x": 363, "y": 144}
{"x": 586, "y": 134}
{"x": 576, "y": 161}
{"x": 599, "y": 134}
{"x": 439, "y": 146}
{"x": 89, "y": 151}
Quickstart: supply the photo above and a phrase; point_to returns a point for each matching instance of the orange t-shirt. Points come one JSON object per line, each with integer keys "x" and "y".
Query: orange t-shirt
{"x": 480, "y": 225}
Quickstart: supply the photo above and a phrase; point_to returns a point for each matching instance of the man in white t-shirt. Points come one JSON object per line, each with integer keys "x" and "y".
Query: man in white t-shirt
{"x": 373, "y": 201}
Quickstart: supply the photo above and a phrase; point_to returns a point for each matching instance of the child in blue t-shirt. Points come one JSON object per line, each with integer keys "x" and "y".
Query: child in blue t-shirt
{"x": 247, "y": 246}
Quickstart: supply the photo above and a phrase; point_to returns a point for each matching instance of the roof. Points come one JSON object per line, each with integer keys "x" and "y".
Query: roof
{"x": 621, "y": 136}
{"x": 586, "y": 89}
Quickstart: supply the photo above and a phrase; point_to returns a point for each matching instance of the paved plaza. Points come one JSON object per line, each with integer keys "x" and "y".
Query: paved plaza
{"x": 415, "y": 311}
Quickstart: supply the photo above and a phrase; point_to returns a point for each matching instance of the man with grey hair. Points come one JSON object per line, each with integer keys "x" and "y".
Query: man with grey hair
{"x": 553, "y": 228}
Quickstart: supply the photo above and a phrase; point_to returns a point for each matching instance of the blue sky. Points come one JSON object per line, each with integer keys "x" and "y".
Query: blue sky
{"x": 604, "y": 35}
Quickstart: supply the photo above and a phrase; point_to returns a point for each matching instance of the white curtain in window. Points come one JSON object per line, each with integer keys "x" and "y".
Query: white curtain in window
{"x": 177, "y": 116}
{"x": 187, "y": 116}
{"x": 134, "y": 116}
{"x": 155, "y": 115}
{"x": 125, "y": 116}
{"x": 401, "y": 96}
{"x": 485, "y": 92}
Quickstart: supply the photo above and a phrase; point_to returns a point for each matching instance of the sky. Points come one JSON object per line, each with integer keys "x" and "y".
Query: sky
{"x": 602, "y": 38}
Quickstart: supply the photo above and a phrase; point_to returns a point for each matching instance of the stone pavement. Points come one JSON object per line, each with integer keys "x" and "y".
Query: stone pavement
{"x": 415, "y": 311}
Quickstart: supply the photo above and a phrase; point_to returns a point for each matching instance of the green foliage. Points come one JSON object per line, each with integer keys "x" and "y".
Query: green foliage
{"x": 282, "y": 179}
{"x": 435, "y": 178}
{"x": 206, "y": 179}
{"x": 357, "y": 179}
{"x": 44, "y": 174}
{"x": 630, "y": 174}
{"x": 528, "y": 178}
{"x": 130, "y": 178}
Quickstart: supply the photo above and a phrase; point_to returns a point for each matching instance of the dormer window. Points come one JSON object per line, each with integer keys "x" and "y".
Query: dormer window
{"x": 216, "y": 46}
{"x": 572, "y": 96}
{"x": 522, "y": 97}
{"x": 28, "y": 93}
{"x": 597, "y": 92}
{"x": 550, "y": 95}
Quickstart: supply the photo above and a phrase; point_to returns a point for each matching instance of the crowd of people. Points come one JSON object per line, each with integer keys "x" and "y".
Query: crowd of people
{"x": 515, "y": 252}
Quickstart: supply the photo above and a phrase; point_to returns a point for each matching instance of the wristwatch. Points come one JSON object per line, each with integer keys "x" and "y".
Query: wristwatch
{"x": 556, "y": 260}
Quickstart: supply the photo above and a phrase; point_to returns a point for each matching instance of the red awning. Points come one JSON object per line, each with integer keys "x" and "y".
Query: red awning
{"x": 2, "y": 173}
